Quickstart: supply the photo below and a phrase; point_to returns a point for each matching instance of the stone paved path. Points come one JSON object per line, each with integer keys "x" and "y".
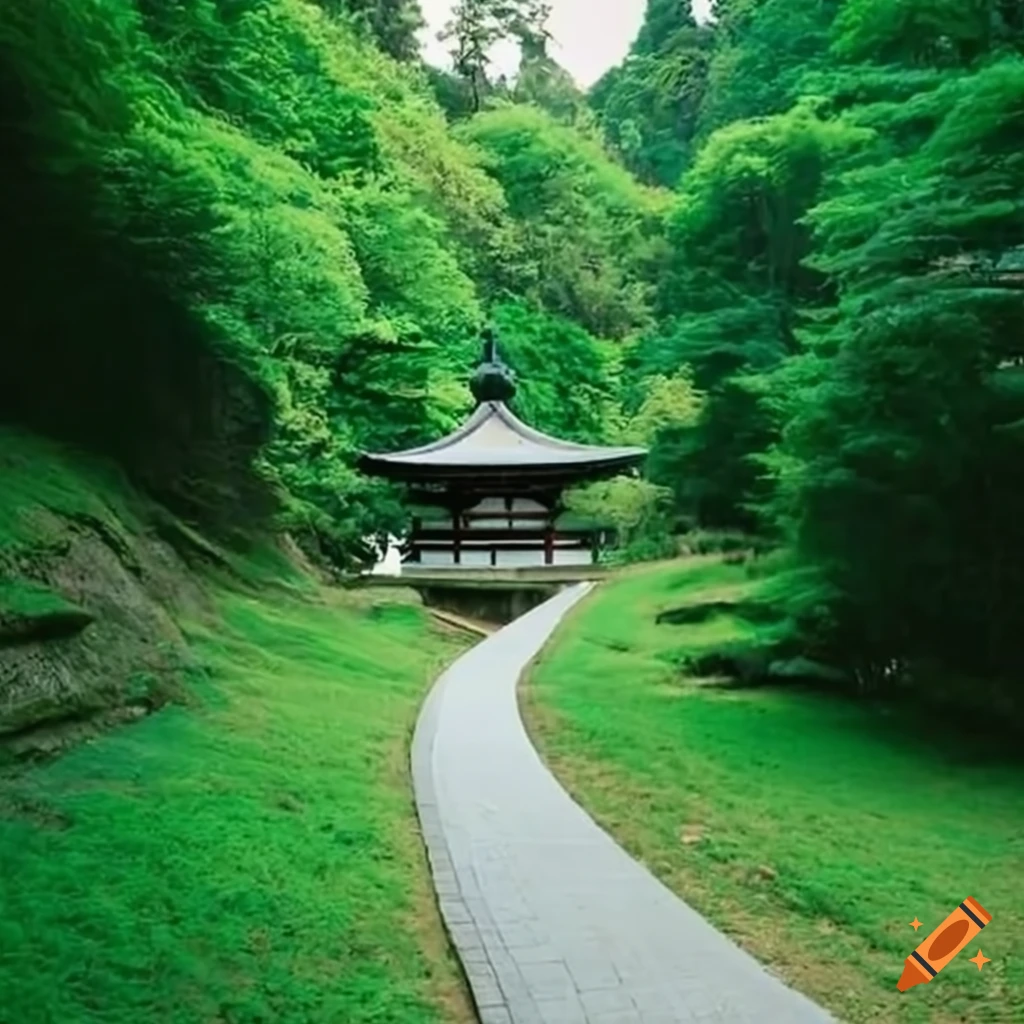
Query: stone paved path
{"x": 554, "y": 923}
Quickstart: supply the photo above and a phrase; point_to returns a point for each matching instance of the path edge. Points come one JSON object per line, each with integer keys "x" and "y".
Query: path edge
{"x": 462, "y": 935}
{"x": 459, "y": 909}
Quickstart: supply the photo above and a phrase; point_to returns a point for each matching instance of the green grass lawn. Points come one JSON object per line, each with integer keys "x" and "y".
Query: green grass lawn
{"x": 809, "y": 827}
{"x": 251, "y": 859}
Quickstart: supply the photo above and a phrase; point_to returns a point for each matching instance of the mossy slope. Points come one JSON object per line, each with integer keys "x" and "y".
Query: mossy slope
{"x": 253, "y": 858}
{"x": 88, "y": 596}
{"x": 248, "y": 854}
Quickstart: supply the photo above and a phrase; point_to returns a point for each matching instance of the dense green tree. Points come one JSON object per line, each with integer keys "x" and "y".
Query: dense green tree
{"x": 663, "y": 20}
{"x": 393, "y": 23}
{"x": 843, "y": 287}
{"x": 728, "y": 295}
{"x": 649, "y": 105}
{"x": 637, "y": 510}
{"x": 568, "y": 384}
{"x": 275, "y": 252}
{"x": 764, "y": 50}
{"x": 543, "y": 82}
{"x": 477, "y": 25}
{"x": 248, "y": 223}
{"x": 585, "y": 227}
{"x": 924, "y": 31}
{"x": 900, "y": 463}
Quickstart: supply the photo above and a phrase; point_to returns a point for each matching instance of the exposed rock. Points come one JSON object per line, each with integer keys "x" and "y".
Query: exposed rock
{"x": 107, "y": 649}
{"x": 689, "y": 614}
{"x": 56, "y": 624}
{"x": 805, "y": 669}
{"x": 746, "y": 665}
{"x": 181, "y": 536}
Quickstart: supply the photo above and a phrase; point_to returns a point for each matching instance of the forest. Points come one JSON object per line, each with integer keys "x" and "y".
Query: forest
{"x": 784, "y": 248}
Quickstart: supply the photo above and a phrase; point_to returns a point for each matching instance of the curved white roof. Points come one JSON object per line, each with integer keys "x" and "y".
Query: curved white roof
{"x": 495, "y": 437}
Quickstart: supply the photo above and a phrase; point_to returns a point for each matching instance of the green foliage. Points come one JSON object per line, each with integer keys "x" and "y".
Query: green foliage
{"x": 477, "y": 25}
{"x": 669, "y": 405}
{"x": 283, "y": 216}
{"x": 272, "y": 250}
{"x": 895, "y": 428}
{"x": 842, "y": 283}
{"x": 648, "y": 122}
{"x": 584, "y": 227}
{"x": 649, "y": 105}
{"x": 277, "y": 210}
{"x": 392, "y": 23}
{"x": 544, "y": 83}
{"x": 764, "y": 51}
{"x": 566, "y": 380}
{"x": 663, "y": 21}
{"x": 914, "y": 31}
{"x": 727, "y": 297}
{"x": 636, "y": 509}
{"x": 752, "y": 184}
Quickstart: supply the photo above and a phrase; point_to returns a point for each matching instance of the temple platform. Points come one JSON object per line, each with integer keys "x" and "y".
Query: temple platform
{"x": 417, "y": 575}
{"x": 495, "y": 596}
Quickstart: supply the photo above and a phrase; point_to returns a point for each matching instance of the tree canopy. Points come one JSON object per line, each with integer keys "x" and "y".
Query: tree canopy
{"x": 785, "y": 247}
{"x": 843, "y": 283}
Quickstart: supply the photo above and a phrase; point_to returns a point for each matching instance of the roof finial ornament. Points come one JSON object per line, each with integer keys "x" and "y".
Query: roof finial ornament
{"x": 490, "y": 346}
{"x": 493, "y": 380}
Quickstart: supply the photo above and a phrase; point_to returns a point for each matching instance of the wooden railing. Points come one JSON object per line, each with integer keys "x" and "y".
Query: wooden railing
{"x": 489, "y": 535}
{"x": 495, "y": 540}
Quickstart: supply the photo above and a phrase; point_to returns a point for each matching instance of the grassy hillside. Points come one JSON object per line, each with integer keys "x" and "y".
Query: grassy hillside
{"x": 810, "y": 828}
{"x": 246, "y": 848}
{"x": 89, "y": 589}
{"x": 253, "y": 857}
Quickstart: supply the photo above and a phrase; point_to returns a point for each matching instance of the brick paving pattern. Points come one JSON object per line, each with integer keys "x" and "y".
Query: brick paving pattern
{"x": 553, "y": 922}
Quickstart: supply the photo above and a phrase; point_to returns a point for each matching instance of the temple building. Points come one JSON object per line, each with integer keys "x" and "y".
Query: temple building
{"x": 490, "y": 493}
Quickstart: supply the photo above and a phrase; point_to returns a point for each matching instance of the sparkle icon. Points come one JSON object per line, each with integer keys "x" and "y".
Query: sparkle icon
{"x": 942, "y": 946}
{"x": 980, "y": 959}
{"x": 915, "y": 924}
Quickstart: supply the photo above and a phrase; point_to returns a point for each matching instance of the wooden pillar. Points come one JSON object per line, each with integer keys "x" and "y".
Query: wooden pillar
{"x": 415, "y": 554}
{"x": 553, "y": 503}
{"x": 457, "y": 534}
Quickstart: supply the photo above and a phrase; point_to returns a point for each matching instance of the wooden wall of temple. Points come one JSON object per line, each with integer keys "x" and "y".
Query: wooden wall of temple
{"x": 499, "y": 532}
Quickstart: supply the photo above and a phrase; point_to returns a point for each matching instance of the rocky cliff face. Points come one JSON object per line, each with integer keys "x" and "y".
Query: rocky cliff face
{"x": 89, "y": 587}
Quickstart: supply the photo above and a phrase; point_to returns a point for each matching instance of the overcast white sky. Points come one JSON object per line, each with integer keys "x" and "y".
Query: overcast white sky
{"x": 590, "y": 35}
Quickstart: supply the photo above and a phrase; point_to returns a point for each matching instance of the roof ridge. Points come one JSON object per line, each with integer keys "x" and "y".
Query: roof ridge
{"x": 480, "y": 415}
{"x": 539, "y": 437}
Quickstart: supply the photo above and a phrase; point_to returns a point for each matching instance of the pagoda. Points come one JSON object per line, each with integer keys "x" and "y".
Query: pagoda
{"x": 494, "y": 486}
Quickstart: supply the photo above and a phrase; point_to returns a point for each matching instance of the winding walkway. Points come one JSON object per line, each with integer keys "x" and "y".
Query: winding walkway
{"x": 553, "y": 922}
